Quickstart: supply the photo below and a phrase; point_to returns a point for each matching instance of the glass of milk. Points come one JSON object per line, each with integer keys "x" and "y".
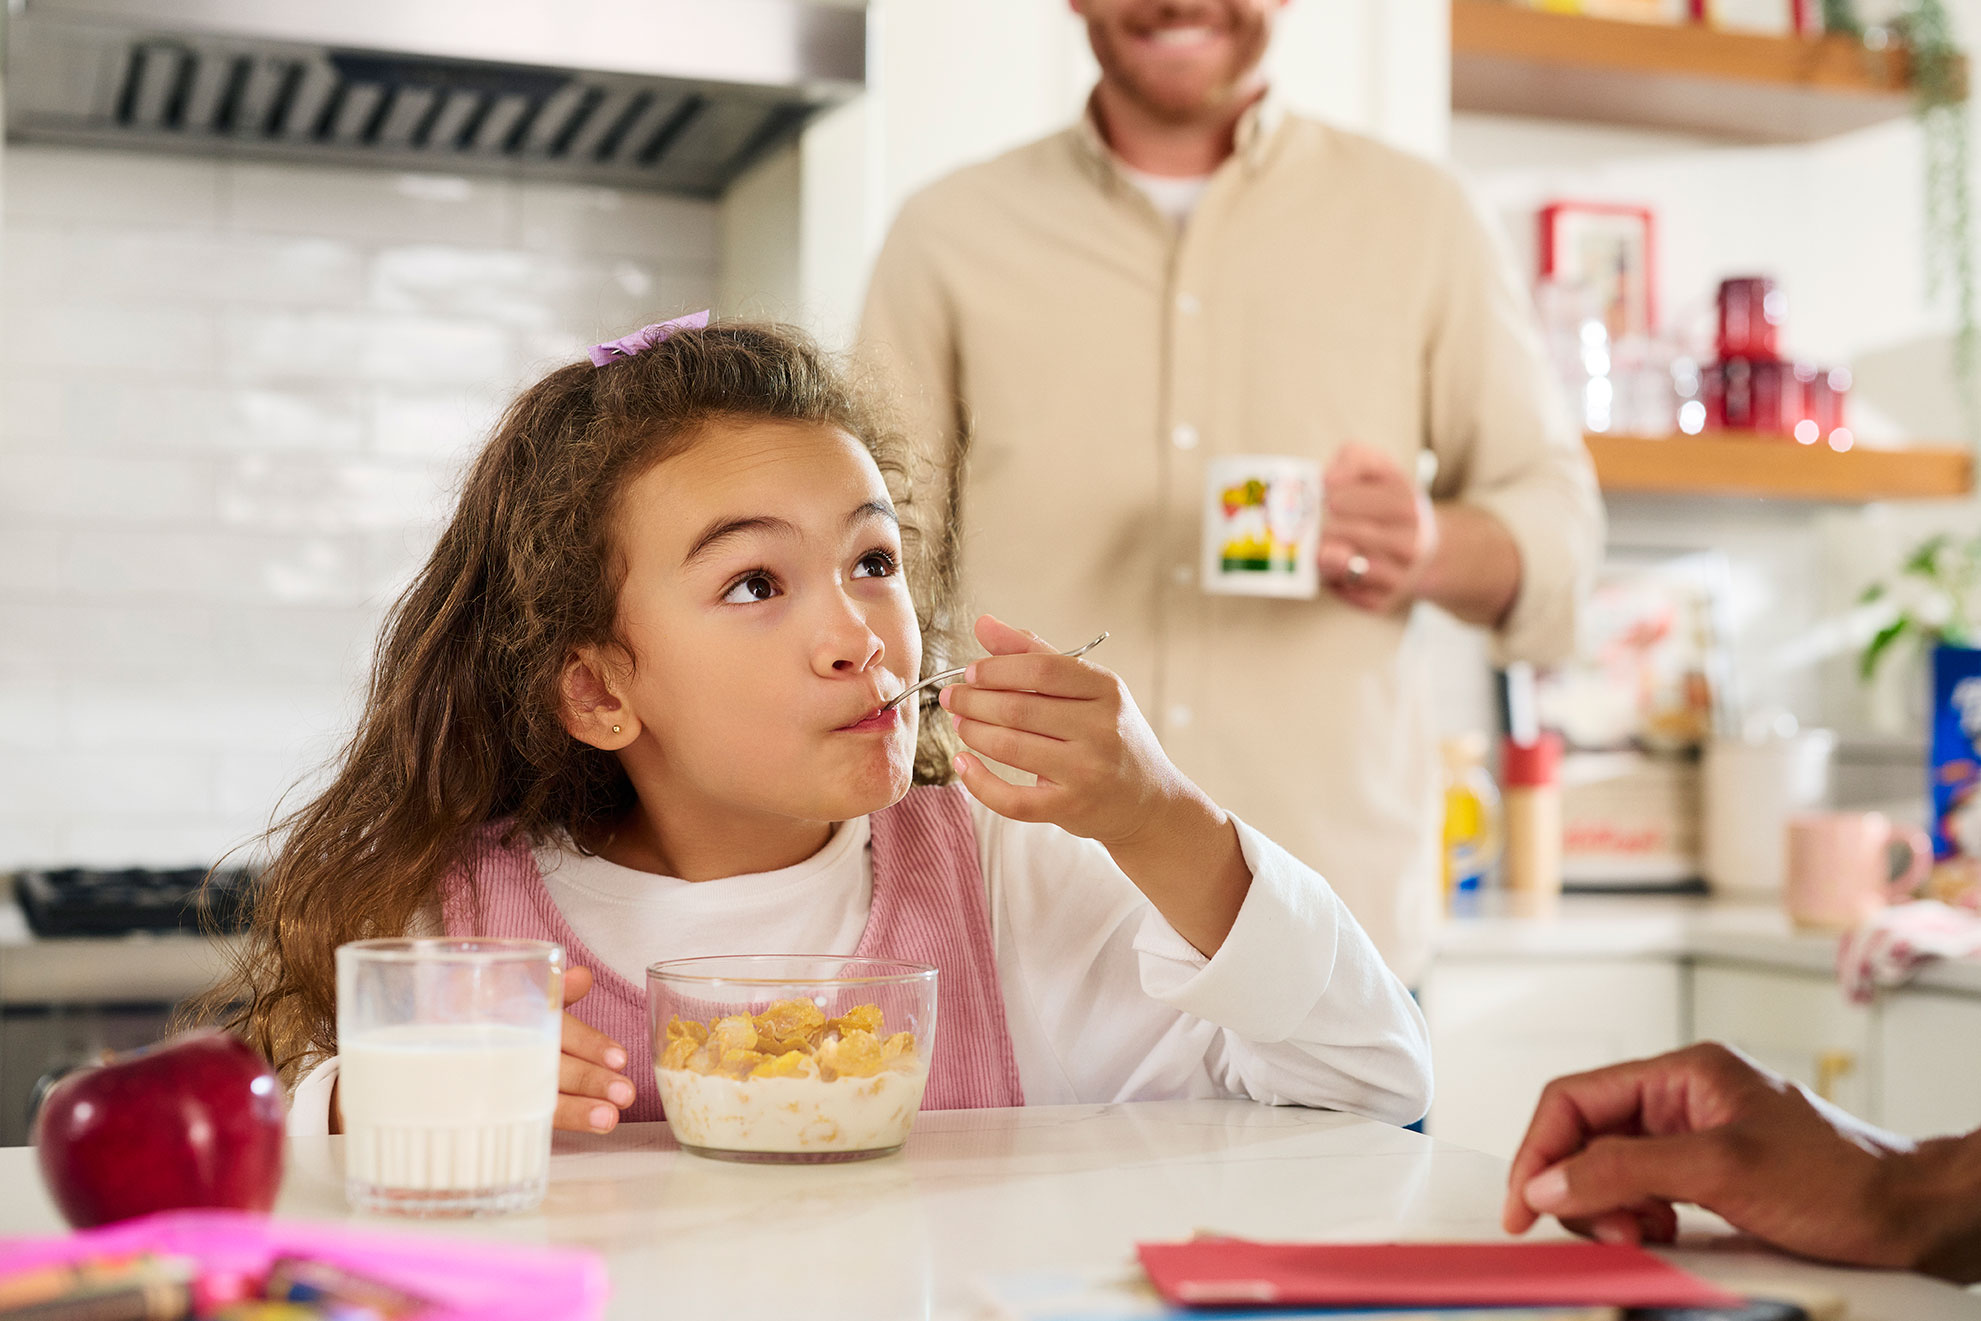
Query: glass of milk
{"x": 447, "y": 1073}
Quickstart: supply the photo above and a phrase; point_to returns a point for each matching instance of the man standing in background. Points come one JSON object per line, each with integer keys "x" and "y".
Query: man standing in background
{"x": 1189, "y": 272}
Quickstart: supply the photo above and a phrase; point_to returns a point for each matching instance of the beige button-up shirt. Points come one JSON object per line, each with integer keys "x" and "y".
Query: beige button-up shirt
{"x": 1071, "y": 359}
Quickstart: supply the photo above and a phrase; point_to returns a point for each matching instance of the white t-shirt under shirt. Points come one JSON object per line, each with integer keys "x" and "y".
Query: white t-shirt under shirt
{"x": 1103, "y": 999}
{"x": 1173, "y": 196}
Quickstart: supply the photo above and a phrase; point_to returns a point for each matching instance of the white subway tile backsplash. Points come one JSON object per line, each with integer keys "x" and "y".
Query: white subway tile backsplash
{"x": 305, "y": 493}
{"x": 148, "y": 339}
{"x": 262, "y": 346}
{"x": 139, "y": 418}
{"x": 56, "y": 183}
{"x": 50, "y": 259}
{"x": 48, "y": 640}
{"x": 100, "y": 838}
{"x": 491, "y": 284}
{"x": 59, "y": 488}
{"x": 34, "y": 715}
{"x": 326, "y": 419}
{"x": 198, "y": 547}
{"x": 32, "y": 841}
{"x": 219, "y": 567}
{"x": 428, "y": 425}
{"x": 299, "y": 644}
{"x": 606, "y": 222}
{"x": 227, "y": 711}
{"x": 30, "y": 561}
{"x": 430, "y": 351}
{"x": 34, "y": 409}
{"x": 127, "y": 780}
{"x": 256, "y": 787}
{"x": 373, "y": 205}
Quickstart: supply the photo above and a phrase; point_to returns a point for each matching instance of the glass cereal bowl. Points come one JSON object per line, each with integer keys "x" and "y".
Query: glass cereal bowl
{"x": 791, "y": 1058}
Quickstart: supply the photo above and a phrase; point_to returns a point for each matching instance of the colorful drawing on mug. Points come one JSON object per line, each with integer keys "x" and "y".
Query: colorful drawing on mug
{"x": 1262, "y": 526}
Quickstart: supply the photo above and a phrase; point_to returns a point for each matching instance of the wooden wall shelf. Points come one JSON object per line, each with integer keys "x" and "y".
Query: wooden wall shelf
{"x": 1508, "y": 59}
{"x": 1744, "y": 465}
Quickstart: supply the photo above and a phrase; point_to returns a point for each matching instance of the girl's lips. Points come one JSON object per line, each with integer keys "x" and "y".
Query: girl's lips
{"x": 887, "y": 719}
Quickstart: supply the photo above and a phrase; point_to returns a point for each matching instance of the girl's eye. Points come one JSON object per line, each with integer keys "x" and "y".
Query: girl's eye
{"x": 755, "y": 587}
{"x": 874, "y": 564}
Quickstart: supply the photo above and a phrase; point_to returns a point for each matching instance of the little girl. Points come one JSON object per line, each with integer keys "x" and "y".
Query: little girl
{"x": 633, "y": 704}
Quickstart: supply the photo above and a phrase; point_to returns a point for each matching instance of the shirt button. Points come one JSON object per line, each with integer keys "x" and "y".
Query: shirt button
{"x": 1179, "y": 715}
{"x": 1187, "y": 304}
{"x": 1183, "y": 575}
{"x": 1184, "y": 436}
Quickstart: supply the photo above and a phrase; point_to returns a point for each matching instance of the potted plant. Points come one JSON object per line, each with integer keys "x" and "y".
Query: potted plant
{"x": 1933, "y": 604}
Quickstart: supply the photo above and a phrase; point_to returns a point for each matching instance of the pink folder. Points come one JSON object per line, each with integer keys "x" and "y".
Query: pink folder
{"x": 1227, "y": 1272}
{"x": 467, "y": 1280}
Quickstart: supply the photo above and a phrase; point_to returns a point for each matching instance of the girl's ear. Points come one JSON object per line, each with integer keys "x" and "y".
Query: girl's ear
{"x": 591, "y": 711}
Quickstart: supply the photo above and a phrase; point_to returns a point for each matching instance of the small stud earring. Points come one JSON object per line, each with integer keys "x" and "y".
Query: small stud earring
{"x": 615, "y": 729}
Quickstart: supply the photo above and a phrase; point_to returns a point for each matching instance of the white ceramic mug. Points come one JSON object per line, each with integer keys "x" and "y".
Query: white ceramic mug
{"x": 1262, "y": 526}
{"x": 1749, "y": 788}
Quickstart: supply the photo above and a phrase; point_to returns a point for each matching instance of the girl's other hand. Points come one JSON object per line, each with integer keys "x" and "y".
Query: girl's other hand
{"x": 590, "y": 1089}
{"x": 1101, "y": 772}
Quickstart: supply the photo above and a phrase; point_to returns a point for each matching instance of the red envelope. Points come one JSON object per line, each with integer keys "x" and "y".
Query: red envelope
{"x": 1227, "y": 1272}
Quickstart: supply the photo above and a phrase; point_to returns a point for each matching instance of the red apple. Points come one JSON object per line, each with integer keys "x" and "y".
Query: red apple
{"x": 194, "y": 1121}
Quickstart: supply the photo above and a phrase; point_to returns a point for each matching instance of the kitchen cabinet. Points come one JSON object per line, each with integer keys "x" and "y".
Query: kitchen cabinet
{"x": 1501, "y": 1029}
{"x": 1929, "y": 1063}
{"x": 1796, "y": 1023}
{"x": 1513, "y": 1002}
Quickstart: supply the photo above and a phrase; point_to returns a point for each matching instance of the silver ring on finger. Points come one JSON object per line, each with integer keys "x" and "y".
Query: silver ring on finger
{"x": 1358, "y": 568}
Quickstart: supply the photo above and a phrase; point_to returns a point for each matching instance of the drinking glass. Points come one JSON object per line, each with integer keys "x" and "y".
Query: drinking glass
{"x": 447, "y": 1074}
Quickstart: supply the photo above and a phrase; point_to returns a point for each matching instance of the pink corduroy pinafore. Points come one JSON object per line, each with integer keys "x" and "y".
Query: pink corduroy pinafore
{"x": 929, "y": 906}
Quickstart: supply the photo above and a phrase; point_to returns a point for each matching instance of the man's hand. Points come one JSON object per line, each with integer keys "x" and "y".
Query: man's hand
{"x": 1384, "y": 544}
{"x": 590, "y": 1089}
{"x": 1610, "y": 1152}
{"x": 1379, "y": 533}
{"x": 1101, "y": 773}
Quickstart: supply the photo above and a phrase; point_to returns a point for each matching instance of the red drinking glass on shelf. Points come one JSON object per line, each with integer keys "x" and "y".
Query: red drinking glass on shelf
{"x": 1751, "y": 313}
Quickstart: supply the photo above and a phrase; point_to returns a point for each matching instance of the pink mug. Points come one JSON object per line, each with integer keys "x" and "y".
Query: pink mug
{"x": 1840, "y": 867}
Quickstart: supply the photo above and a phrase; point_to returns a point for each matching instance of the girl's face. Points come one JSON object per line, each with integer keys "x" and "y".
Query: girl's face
{"x": 768, "y": 619}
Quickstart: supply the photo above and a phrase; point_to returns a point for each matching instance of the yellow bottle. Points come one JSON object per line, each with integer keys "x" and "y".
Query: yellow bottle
{"x": 1471, "y": 818}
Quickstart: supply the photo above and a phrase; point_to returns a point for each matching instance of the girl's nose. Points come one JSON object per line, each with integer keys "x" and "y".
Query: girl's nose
{"x": 847, "y": 646}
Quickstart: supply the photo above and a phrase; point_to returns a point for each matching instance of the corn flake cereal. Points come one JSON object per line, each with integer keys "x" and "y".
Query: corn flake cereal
{"x": 790, "y": 1039}
{"x": 790, "y": 1080}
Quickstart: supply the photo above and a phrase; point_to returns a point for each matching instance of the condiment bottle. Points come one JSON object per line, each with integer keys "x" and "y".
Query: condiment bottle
{"x": 1530, "y": 774}
{"x": 1471, "y": 819}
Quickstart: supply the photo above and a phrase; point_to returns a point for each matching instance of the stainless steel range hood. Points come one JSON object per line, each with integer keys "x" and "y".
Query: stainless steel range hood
{"x": 667, "y": 94}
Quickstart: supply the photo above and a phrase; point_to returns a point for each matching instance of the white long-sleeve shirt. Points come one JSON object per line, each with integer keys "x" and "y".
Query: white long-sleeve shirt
{"x": 1103, "y": 999}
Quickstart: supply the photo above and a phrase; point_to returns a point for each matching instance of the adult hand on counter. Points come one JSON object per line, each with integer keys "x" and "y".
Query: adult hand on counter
{"x": 1385, "y": 545}
{"x": 1610, "y": 1152}
{"x": 590, "y": 1089}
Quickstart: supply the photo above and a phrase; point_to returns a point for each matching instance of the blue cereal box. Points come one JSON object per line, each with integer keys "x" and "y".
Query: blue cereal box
{"x": 1954, "y": 760}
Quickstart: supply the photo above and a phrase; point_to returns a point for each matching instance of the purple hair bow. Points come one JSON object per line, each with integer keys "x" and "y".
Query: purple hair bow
{"x": 645, "y": 338}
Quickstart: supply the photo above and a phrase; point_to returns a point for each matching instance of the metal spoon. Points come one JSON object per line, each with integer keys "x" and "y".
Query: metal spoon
{"x": 957, "y": 673}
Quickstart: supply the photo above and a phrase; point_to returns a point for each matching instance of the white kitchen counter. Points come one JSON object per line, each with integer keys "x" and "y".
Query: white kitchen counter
{"x": 1684, "y": 927}
{"x": 994, "y": 1191}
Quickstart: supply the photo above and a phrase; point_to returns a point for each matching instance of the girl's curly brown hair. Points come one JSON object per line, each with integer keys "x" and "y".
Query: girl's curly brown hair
{"x": 461, "y": 723}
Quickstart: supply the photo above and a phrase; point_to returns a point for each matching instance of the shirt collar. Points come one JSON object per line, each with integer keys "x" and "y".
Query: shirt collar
{"x": 1256, "y": 130}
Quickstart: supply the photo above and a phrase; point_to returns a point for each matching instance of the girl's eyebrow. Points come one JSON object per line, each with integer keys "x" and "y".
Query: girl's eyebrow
{"x": 724, "y": 528}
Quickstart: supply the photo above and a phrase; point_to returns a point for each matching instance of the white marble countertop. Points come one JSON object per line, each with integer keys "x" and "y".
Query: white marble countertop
{"x": 1649, "y": 926}
{"x": 994, "y": 1191}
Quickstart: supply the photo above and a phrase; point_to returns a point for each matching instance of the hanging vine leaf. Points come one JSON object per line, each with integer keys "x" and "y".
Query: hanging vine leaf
{"x": 1939, "y": 86}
